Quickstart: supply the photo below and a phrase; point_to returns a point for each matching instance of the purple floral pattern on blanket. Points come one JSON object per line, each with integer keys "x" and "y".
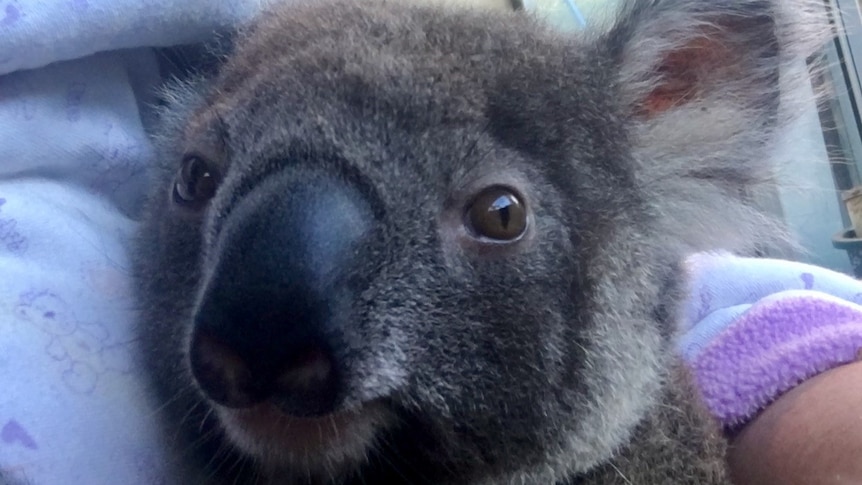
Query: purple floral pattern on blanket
{"x": 13, "y": 433}
{"x": 10, "y": 237}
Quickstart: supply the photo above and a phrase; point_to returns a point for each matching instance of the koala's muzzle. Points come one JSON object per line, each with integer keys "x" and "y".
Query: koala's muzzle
{"x": 276, "y": 295}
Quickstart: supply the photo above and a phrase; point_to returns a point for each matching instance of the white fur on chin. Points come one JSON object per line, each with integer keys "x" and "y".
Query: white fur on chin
{"x": 327, "y": 445}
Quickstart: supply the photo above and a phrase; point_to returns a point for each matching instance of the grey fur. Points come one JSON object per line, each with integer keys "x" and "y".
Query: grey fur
{"x": 549, "y": 360}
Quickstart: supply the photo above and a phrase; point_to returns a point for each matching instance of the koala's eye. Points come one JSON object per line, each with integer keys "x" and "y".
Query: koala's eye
{"x": 196, "y": 182}
{"x": 497, "y": 213}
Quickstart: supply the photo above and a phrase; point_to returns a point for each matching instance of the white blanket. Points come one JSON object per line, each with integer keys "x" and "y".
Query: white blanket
{"x": 76, "y": 77}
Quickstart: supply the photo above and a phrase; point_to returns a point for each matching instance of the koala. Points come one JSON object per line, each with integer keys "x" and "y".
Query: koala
{"x": 393, "y": 243}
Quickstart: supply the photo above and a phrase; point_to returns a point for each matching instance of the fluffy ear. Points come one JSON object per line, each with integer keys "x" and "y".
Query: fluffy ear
{"x": 705, "y": 76}
{"x": 701, "y": 81}
{"x": 673, "y": 53}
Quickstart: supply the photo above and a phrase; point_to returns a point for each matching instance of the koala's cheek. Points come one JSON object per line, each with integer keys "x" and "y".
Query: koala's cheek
{"x": 382, "y": 367}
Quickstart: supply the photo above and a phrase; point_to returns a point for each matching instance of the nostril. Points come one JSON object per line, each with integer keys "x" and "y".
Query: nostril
{"x": 304, "y": 384}
{"x": 221, "y": 372}
{"x": 307, "y": 372}
{"x": 307, "y": 385}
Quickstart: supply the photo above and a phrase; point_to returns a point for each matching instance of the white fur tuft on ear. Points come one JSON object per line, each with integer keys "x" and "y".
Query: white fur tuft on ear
{"x": 702, "y": 81}
{"x": 675, "y": 52}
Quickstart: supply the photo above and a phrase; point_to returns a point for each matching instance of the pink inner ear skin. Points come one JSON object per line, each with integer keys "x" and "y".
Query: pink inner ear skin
{"x": 686, "y": 71}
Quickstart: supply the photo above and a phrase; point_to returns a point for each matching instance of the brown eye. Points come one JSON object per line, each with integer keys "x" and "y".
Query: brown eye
{"x": 196, "y": 181}
{"x": 498, "y": 214}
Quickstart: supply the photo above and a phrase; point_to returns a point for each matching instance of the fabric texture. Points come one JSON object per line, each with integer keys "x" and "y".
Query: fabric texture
{"x": 34, "y": 33}
{"x": 755, "y": 328}
{"x": 77, "y": 79}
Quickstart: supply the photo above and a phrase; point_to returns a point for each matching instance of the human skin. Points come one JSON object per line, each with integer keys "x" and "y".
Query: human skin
{"x": 810, "y": 435}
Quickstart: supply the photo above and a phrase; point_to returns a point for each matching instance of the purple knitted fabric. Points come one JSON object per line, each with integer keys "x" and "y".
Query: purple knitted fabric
{"x": 764, "y": 347}
{"x": 781, "y": 341}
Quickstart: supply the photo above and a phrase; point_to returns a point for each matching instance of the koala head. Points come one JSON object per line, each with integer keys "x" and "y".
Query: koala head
{"x": 388, "y": 237}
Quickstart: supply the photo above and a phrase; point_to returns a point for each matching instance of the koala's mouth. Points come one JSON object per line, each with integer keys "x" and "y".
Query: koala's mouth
{"x": 278, "y": 439}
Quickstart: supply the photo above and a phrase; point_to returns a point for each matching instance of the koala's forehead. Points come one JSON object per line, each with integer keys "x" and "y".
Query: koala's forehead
{"x": 330, "y": 76}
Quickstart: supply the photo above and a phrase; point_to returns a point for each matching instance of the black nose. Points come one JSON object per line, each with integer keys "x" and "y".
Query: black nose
{"x": 269, "y": 324}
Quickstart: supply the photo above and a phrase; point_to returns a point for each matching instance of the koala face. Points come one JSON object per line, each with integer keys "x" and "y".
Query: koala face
{"x": 406, "y": 243}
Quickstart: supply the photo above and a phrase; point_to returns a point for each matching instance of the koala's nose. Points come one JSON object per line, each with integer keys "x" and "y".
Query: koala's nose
{"x": 270, "y": 323}
{"x": 304, "y": 383}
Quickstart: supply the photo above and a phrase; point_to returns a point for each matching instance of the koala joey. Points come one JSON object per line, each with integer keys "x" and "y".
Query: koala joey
{"x": 395, "y": 243}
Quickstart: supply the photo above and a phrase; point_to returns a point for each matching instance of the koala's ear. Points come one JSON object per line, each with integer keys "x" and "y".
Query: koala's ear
{"x": 678, "y": 53}
{"x": 701, "y": 81}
